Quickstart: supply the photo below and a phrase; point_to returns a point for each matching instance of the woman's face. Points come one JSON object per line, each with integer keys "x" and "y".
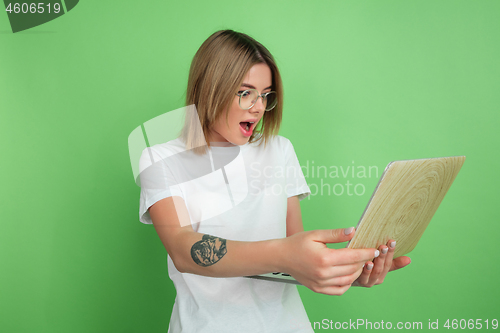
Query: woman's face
{"x": 235, "y": 130}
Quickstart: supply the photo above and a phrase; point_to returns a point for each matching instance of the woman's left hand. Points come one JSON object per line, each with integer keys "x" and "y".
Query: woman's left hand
{"x": 374, "y": 272}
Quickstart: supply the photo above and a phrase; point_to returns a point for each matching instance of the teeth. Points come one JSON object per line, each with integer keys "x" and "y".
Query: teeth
{"x": 247, "y": 124}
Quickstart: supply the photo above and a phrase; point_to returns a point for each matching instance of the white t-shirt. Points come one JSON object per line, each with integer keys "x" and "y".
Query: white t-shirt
{"x": 236, "y": 193}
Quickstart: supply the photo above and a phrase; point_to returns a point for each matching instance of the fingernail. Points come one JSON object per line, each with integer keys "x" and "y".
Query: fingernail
{"x": 393, "y": 244}
{"x": 369, "y": 266}
{"x": 349, "y": 230}
{"x": 384, "y": 250}
{"x": 377, "y": 253}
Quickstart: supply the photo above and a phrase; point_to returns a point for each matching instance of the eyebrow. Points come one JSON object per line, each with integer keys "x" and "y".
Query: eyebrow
{"x": 252, "y": 87}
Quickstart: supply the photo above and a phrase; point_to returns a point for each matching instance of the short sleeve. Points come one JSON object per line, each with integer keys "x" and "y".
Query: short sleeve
{"x": 296, "y": 184}
{"x": 156, "y": 180}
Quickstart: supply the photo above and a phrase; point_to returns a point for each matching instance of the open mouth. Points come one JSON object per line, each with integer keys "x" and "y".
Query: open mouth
{"x": 247, "y": 127}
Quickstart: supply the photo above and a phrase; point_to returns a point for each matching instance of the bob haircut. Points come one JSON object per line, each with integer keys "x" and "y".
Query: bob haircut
{"x": 216, "y": 74}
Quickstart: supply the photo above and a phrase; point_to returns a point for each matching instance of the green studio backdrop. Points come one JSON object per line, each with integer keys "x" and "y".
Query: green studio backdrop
{"x": 366, "y": 82}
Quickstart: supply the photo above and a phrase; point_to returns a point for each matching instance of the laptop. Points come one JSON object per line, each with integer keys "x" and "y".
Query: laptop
{"x": 405, "y": 199}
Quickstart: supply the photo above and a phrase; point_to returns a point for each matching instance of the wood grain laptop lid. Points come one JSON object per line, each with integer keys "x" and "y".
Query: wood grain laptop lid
{"x": 404, "y": 201}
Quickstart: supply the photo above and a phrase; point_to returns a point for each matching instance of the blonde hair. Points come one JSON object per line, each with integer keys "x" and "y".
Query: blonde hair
{"x": 216, "y": 74}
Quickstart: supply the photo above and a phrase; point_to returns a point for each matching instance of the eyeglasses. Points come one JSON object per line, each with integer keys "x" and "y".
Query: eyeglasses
{"x": 249, "y": 97}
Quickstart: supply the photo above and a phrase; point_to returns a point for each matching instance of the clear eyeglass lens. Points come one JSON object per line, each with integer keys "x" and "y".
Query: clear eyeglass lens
{"x": 271, "y": 101}
{"x": 249, "y": 97}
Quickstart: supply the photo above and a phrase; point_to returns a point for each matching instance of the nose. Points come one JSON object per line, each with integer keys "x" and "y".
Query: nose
{"x": 259, "y": 105}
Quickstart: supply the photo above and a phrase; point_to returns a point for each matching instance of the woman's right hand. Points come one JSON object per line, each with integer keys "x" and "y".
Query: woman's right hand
{"x": 321, "y": 269}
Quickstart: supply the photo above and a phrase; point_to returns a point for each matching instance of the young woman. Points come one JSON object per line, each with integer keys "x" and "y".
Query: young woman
{"x": 243, "y": 217}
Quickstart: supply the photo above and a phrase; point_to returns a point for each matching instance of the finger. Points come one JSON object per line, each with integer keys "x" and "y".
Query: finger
{"x": 327, "y": 275}
{"x": 348, "y": 256}
{"x": 341, "y": 270}
{"x": 365, "y": 274}
{"x": 340, "y": 280}
{"x": 391, "y": 244}
{"x": 400, "y": 262}
{"x": 379, "y": 264}
{"x": 332, "y": 290}
{"x": 332, "y": 235}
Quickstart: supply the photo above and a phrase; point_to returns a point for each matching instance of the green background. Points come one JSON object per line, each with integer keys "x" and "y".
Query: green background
{"x": 366, "y": 82}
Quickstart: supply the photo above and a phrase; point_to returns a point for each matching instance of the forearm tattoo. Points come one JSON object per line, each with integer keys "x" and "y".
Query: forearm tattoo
{"x": 209, "y": 250}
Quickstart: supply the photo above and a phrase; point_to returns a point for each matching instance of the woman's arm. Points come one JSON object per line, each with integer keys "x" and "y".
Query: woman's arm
{"x": 202, "y": 254}
{"x": 304, "y": 255}
{"x": 293, "y": 216}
